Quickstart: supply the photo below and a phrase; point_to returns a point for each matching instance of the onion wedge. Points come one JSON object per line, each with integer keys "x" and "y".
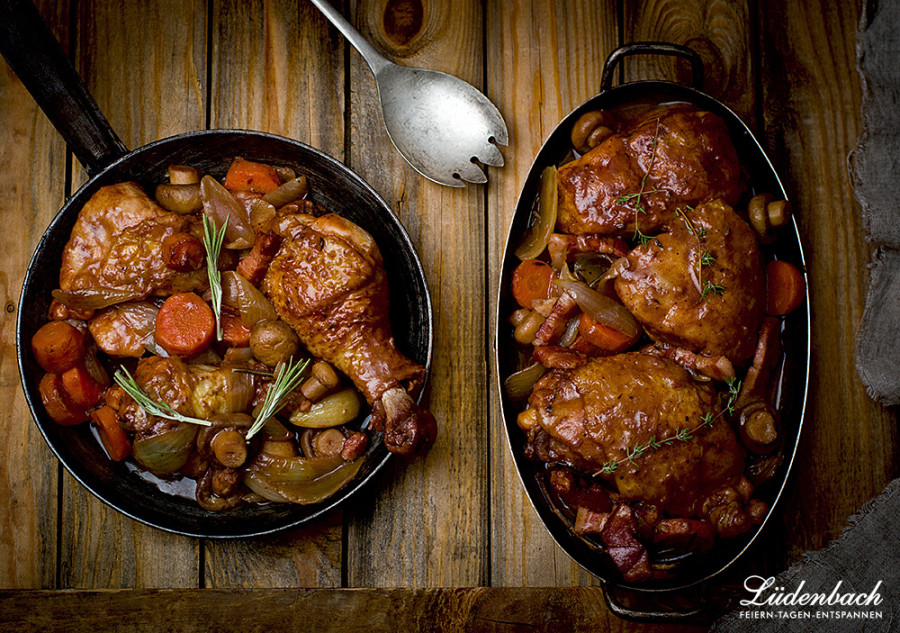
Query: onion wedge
{"x": 601, "y": 308}
{"x": 539, "y": 234}
{"x": 520, "y": 384}
{"x": 298, "y": 479}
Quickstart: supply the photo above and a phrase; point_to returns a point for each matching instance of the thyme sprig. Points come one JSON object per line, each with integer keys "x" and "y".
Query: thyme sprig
{"x": 127, "y": 382}
{"x": 287, "y": 378}
{"x": 711, "y": 288}
{"x": 212, "y": 241}
{"x": 638, "y": 196}
{"x": 681, "y": 434}
{"x": 706, "y": 259}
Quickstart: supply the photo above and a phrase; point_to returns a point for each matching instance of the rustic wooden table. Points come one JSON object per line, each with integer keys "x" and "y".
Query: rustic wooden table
{"x": 458, "y": 517}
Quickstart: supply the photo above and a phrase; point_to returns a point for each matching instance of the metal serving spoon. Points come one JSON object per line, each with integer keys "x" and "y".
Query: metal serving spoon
{"x": 439, "y": 123}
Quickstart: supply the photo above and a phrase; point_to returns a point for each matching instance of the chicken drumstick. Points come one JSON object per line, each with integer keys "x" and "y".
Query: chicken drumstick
{"x": 328, "y": 282}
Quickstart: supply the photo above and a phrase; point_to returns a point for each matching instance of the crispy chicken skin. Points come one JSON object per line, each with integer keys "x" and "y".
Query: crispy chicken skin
{"x": 686, "y": 156}
{"x": 117, "y": 244}
{"x": 700, "y": 285}
{"x": 328, "y": 282}
{"x": 592, "y": 414}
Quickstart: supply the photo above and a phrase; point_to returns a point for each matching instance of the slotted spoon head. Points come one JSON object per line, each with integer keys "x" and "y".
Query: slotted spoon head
{"x": 441, "y": 125}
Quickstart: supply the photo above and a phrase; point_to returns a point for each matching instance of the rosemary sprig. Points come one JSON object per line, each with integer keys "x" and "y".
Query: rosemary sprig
{"x": 160, "y": 409}
{"x": 212, "y": 241}
{"x": 287, "y": 379}
{"x": 681, "y": 434}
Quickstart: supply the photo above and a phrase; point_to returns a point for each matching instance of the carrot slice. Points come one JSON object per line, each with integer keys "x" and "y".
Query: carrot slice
{"x": 234, "y": 332}
{"x": 246, "y": 175}
{"x": 58, "y": 346}
{"x": 604, "y": 337}
{"x": 185, "y": 324}
{"x": 81, "y": 388}
{"x": 58, "y": 404}
{"x": 785, "y": 288}
{"x": 531, "y": 281}
{"x": 114, "y": 439}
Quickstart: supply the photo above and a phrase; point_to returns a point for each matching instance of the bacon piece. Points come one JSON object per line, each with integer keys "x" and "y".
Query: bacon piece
{"x": 558, "y": 357}
{"x": 590, "y": 522}
{"x": 716, "y": 367}
{"x": 628, "y": 554}
{"x": 768, "y": 350}
{"x": 563, "y": 247}
{"x": 555, "y": 324}
{"x": 254, "y": 265}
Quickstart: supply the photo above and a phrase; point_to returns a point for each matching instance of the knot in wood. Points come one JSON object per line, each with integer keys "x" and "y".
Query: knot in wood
{"x": 403, "y": 20}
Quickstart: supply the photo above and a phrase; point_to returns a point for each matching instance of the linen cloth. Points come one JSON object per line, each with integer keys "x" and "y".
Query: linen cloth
{"x": 875, "y": 169}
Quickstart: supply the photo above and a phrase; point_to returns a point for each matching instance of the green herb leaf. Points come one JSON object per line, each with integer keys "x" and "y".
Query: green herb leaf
{"x": 711, "y": 288}
{"x": 160, "y": 409}
{"x": 609, "y": 467}
{"x": 734, "y": 390}
{"x": 640, "y": 237}
{"x": 212, "y": 241}
{"x": 287, "y": 379}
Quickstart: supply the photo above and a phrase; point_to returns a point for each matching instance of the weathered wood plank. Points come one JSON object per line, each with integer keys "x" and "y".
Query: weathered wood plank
{"x": 812, "y": 117}
{"x": 544, "y": 59}
{"x": 32, "y": 189}
{"x": 427, "y": 524}
{"x": 476, "y": 610}
{"x": 145, "y": 63}
{"x": 719, "y": 30}
{"x": 276, "y": 68}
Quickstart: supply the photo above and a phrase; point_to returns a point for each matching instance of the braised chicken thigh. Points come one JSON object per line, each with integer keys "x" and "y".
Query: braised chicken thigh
{"x": 675, "y": 156}
{"x": 117, "y": 245}
{"x": 328, "y": 282}
{"x": 592, "y": 415}
{"x": 699, "y": 285}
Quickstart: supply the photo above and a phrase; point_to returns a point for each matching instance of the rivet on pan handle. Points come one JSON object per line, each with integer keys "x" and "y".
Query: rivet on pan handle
{"x": 692, "y": 613}
{"x": 652, "y": 48}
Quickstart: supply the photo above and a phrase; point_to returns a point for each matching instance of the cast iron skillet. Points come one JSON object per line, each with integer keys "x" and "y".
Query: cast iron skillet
{"x": 35, "y": 55}
{"x": 687, "y": 569}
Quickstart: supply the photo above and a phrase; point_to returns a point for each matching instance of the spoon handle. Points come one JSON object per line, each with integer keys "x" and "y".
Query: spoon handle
{"x": 374, "y": 59}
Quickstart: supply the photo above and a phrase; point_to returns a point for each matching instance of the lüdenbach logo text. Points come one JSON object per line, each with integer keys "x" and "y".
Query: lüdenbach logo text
{"x": 767, "y": 595}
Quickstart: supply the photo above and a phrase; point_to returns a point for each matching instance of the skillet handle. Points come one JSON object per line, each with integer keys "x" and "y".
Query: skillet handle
{"x": 652, "y": 48}
{"x": 40, "y": 63}
{"x": 693, "y": 612}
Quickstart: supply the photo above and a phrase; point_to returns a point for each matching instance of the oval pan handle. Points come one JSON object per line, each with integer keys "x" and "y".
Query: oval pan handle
{"x": 41, "y": 65}
{"x": 692, "y": 613}
{"x": 652, "y": 48}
